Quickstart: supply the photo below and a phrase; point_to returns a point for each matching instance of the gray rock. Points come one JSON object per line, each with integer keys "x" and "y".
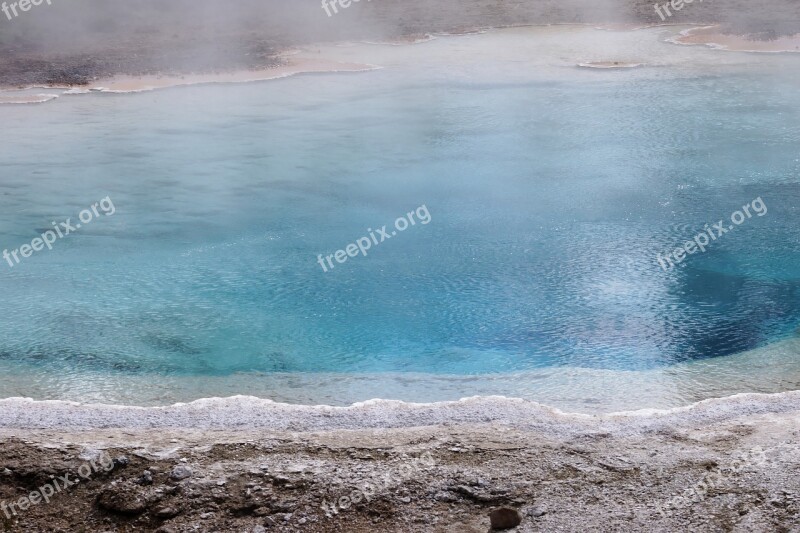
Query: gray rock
{"x": 181, "y": 472}
{"x": 167, "y": 512}
{"x": 536, "y": 512}
{"x": 505, "y": 518}
{"x": 495, "y": 496}
{"x": 259, "y": 529}
{"x": 443, "y": 496}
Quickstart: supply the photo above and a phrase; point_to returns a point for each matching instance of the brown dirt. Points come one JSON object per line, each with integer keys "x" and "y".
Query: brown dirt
{"x": 437, "y": 479}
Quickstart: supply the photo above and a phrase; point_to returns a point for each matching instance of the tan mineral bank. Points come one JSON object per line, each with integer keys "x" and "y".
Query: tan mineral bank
{"x": 713, "y": 37}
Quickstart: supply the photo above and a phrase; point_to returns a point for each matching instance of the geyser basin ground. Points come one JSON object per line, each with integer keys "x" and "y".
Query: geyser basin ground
{"x": 551, "y": 190}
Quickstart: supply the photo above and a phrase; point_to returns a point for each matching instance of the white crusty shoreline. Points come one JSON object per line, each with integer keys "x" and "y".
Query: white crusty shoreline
{"x": 255, "y": 413}
{"x": 256, "y": 465}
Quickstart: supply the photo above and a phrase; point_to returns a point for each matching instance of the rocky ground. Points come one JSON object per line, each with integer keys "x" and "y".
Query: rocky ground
{"x": 77, "y": 42}
{"x": 700, "y": 470}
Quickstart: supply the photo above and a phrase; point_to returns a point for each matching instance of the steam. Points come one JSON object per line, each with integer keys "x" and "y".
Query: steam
{"x": 201, "y": 35}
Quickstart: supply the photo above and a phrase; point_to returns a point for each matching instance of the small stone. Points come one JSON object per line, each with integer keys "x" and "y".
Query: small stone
{"x": 167, "y": 512}
{"x": 302, "y": 521}
{"x": 181, "y": 472}
{"x": 536, "y": 512}
{"x": 259, "y": 529}
{"x": 270, "y": 522}
{"x": 122, "y": 460}
{"x": 505, "y": 518}
{"x": 443, "y": 496}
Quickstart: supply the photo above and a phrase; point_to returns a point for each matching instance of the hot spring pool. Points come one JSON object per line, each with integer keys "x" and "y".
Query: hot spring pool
{"x": 551, "y": 190}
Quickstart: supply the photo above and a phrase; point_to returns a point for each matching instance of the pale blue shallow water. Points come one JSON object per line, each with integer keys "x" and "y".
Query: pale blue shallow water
{"x": 549, "y": 202}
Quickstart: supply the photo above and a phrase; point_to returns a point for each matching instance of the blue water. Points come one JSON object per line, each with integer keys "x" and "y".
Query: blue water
{"x": 549, "y": 201}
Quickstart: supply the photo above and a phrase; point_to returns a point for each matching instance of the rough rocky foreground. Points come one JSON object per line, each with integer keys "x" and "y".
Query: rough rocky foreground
{"x": 718, "y": 466}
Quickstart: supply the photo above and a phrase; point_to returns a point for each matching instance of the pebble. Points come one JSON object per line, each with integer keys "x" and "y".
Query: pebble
{"x": 536, "y": 512}
{"x": 167, "y": 512}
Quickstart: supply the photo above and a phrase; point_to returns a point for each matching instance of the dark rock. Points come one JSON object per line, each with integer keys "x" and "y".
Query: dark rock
{"x": 145, "y": 479}
{"x": 242, "y": 507}
{"x": 122, "y": 460}
{"x": 505, "y": 518}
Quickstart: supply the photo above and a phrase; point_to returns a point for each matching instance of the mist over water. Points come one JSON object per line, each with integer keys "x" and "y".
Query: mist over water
{"x": 186, "y": 35}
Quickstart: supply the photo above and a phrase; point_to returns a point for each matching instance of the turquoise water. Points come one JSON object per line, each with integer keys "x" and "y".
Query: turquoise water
{"x": 549, "y": 201}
